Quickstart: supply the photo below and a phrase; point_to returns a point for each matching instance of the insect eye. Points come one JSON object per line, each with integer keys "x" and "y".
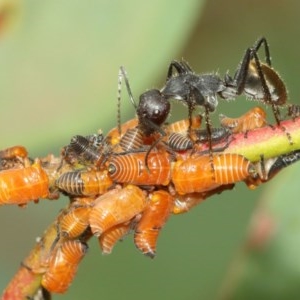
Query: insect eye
{"x": 156, "y": 112}
{"x": 111, "y": 169}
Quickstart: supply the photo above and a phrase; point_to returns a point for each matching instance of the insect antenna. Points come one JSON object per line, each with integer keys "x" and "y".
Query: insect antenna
{"x": 123, "y": 76}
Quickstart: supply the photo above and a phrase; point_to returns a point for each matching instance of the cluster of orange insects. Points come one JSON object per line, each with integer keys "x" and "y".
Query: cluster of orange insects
{"x": 142, "y": 171}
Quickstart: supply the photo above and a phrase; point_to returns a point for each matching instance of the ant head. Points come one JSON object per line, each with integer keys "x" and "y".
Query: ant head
{"x": 153, "y": 109}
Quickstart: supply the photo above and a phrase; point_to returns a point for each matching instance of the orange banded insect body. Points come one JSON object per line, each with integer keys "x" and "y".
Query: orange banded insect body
{"x": 178, "y": 134}
{"x": 84, "y": 183}
{"x": 115, "y": 136}
{"x": 75, "y": 222}
{"x": 13, "y": 152}
{"x": 115, "y": 207}
{"x": 132, "y": 140}
{"x": 63, "y": 265}
{"x": 254, "y": 118}
{"x": 184, "y": 203}
{"x": 110, "y": 237}
{"x": 131, "y": 168}
{"x": 153, "y": 219}
{"x": 19, "y": 186}
{"x": 195, "y": 175}
{"x": 179, "y": 142}
{"x": 183, "y": 126}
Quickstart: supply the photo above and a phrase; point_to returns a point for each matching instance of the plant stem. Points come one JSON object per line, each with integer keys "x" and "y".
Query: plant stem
{"x": 269, "y": 141}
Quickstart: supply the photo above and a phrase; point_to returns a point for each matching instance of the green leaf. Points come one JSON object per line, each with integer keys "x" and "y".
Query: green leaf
{"x": 58, "y": 78}
{"x": 268, "y": 265}
{"x": 58, "y": 74}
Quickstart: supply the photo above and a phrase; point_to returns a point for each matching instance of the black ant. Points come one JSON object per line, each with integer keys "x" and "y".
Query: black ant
{"x": 152, "y": 111}
{"x": 257, "y": 80}
{"x": 194, "y": 90}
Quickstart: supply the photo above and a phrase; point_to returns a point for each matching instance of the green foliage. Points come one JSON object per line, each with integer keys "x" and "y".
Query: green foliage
{"x": 267, "y": 266}
{"x": 59, "y": 70}
{"x": 58, "y": 77}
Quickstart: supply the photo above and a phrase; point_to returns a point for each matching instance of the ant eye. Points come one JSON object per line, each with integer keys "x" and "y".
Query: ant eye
{"x": 156, "y": 112}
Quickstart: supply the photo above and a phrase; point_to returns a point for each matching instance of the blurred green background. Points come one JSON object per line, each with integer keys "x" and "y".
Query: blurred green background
{"x": 59, "y": 63}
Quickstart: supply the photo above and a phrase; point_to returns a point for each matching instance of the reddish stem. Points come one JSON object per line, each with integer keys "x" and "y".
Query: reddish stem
{"x": 269, "y": 141}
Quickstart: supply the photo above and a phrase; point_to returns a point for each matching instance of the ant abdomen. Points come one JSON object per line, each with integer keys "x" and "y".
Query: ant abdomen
{"x": 255, "y": 90}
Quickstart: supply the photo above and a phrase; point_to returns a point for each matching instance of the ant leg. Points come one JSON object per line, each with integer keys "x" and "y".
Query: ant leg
{"x": 275, "y": 108}
{"x": 163, "y": 134}
{"x": 266, "y": 90}
{"x": 240, "y": 77}
{"x": 268, "y": 98}
{"x": 174, "y": 65}
{"x": 265, "y": 87}
{"x": 186, "y": 66}
{"x": 180, "y": 67}
{"x": 241, "y": 74}
{"x": 194, "y": 98}
{"x": 258, "y": 44}
{"x": 191, "y": 108}
{"x": 209, "y": 134}
{"x": 149, "y": 151}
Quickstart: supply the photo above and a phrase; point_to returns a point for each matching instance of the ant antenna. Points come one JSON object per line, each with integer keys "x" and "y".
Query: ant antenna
{"x": 123, "y": 76}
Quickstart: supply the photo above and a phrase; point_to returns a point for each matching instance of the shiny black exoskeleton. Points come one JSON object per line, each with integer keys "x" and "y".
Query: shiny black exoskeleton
{"x": 268, "y": 168}
{"x": 152, "y": 109}
{"x": 257, "y": 80}
{"x": 191, "y": 88}
{"x": 253, "y": 78}
{"x": 284, "y": 161}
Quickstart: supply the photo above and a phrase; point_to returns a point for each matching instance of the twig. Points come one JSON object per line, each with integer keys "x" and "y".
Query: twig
{"x": 269, "y": 141}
